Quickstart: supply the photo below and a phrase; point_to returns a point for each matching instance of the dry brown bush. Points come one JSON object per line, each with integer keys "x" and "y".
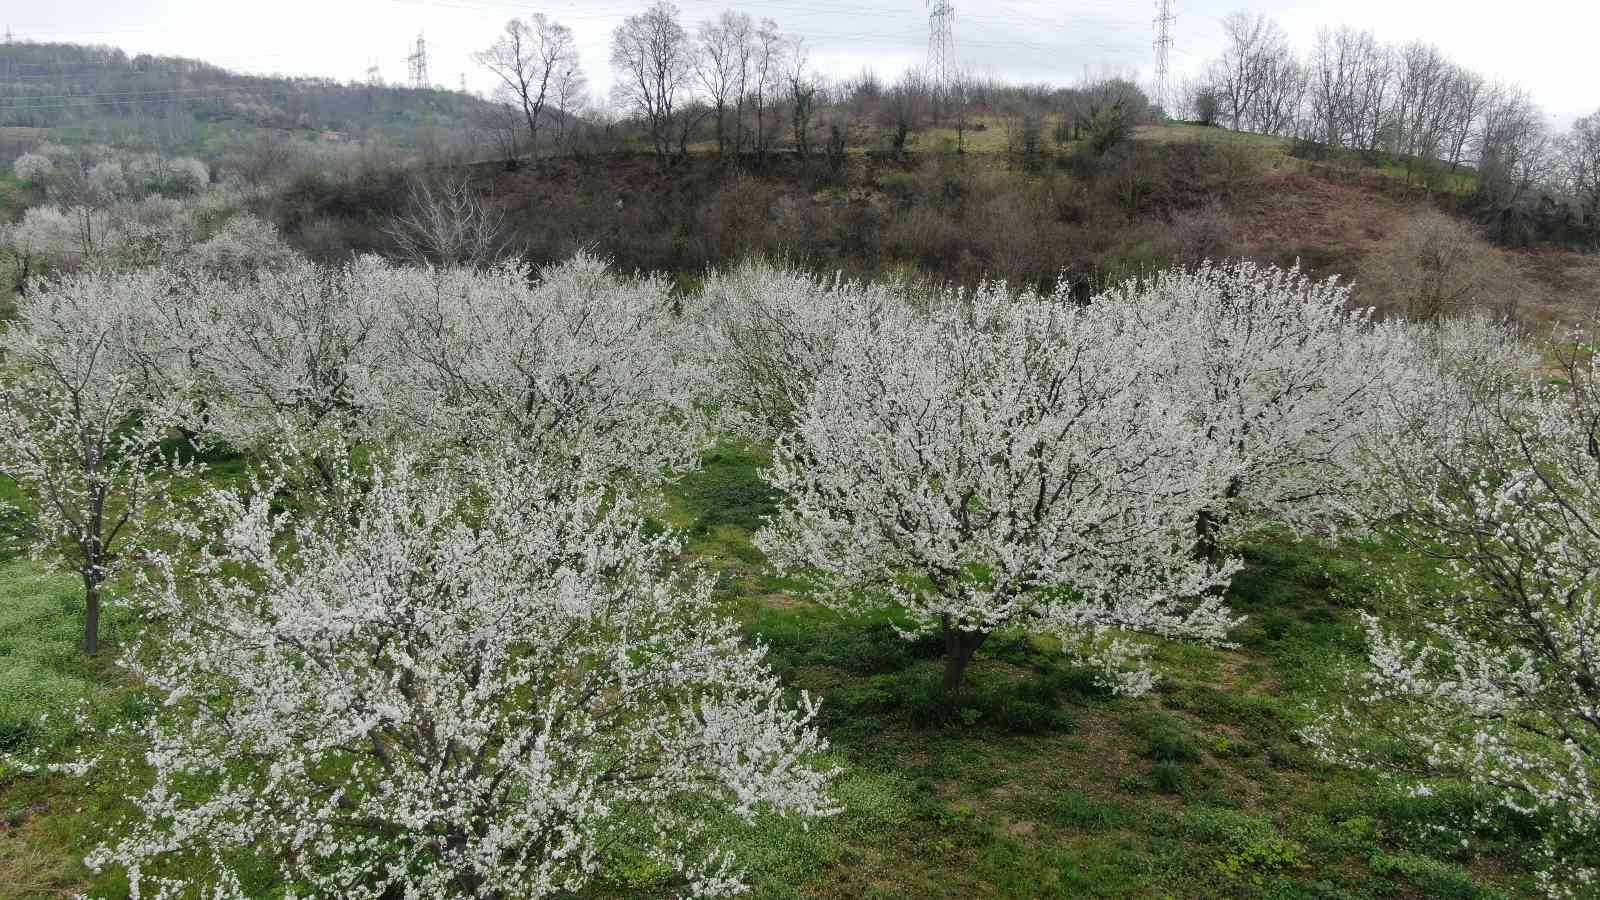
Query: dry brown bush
{"x": 1199, "y": 235}
{"x": 1434, "y": 265}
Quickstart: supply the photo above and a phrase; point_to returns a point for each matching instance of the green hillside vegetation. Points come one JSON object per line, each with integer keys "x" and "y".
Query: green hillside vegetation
{"x": 79, "y": 93}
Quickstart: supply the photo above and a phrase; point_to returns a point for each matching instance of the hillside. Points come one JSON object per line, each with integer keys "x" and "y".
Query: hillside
{"x": 68, "y": 89}
{"x": 1173, "y": 194}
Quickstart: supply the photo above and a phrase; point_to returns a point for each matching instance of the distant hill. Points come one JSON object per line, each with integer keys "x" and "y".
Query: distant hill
{"x": 73, "y": 88}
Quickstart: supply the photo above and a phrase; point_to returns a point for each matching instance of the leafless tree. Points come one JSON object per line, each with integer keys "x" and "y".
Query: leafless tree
{"x": 1278, "y": 101}
{"x": 1332, "y": 83}
{"x": 1424, "y": 89}
{"x": 445, "y": 223}
{"x": 1256, "y": 46}
{"x": 1512, "y": 146}
{"x": 571, "y": 95}
{"x": 766, "y": 82}
{"x": 653, "y": 57}
{"x": 1377, "y": 71}
{"x": 530, "y": 58}
{"x": 907, "y": 101}
{"x": 1579, "y": 169}
{"x": 722, "y": 67}
{"x": 1468, "y": 94}
{"x": 1435, "y": 265}
{"x": 256, "y": 165}
{"x": 502, "y": 124}
{"x": 803, "y": 88}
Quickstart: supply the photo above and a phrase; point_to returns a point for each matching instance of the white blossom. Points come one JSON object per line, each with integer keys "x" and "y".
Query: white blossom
{"x": 770, "y": 333}
{"x": 1002, "y": 462}
{"x": 82, "y": 438}
{"x": 1490, "y": 670}
{"x": 1277, "y": 370}
{"x": 576, "y": 364}
{"x": 244, "y": 245}
{"x": 32, "y": 168}
{"x": 405, "y": 698}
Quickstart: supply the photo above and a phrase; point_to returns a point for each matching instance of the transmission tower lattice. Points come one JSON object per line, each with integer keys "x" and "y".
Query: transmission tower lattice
{"x": 417, "y": 64}
{"x": 941, "y": 45}
{"x": 1163, "y": 45}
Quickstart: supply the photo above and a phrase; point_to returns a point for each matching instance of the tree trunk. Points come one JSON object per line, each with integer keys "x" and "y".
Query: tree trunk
{"x": 959, "y": 648}
{"x": 91, "y": 617}
{"x": 1206, "y": 526}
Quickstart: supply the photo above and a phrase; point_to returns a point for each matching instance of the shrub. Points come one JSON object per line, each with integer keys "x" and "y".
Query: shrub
{"x": 32, "y": 168}
{"x": 1435, "y": 265}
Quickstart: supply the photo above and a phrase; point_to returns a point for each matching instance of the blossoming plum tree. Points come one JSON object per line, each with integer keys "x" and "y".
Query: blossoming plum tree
{"x": 1002, "y": 462}
{"x": 770, "y": 333}
{"x": 1488, "y": 670}
{"x": 579, "y": 365}
{"x": 80, "y": 437}
{"x": 460, "y": 683}
{"x": 1279, "y": 371}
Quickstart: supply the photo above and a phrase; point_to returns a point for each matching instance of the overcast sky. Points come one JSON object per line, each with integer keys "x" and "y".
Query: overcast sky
{"x": 1548, "y": 46}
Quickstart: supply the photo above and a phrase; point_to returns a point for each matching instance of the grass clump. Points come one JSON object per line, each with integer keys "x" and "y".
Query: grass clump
{"x": 1164, "y": 738}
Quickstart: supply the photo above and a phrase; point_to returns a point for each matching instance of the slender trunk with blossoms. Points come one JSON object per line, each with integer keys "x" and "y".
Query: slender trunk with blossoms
{"x": 80, "y": 437}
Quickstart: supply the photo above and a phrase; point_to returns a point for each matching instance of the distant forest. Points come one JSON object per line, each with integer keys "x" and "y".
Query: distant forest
{"x": 175, "y": 101}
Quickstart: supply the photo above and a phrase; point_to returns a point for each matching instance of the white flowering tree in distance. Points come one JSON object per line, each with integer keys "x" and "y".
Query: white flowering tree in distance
{"x": 573, "y": 364}
{"x": 464, "y": 683}
{"x": 770, "y": 333}
{"x": 1279, "y": 371}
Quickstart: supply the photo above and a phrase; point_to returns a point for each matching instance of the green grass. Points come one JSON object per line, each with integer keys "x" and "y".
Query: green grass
{"x": 1036, "y": 783}
{"x": 48, "y": 823}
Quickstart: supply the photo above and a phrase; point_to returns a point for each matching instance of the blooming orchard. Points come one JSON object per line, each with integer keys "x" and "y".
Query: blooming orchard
{"x": 459, "y": 666}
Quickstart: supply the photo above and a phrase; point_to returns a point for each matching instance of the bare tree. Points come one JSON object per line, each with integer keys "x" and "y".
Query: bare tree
{"x": 1433, "y": 266}
{"x": 570, "y": 97}
{"x": 1332, "y": 83}
{"x": 653, "y": 57}
{"x": 1421, "y": 105}
{"x": 722, "y": 66}
{"x": 503, "y": 124}
{"x": 1469, "y": 92}
{"x": 1281, "y": 95}
{"x": 445, "y": 223}
{"x": 1580, "y": 169}
{"x": 802, "y": 94}
{"x": 765, "y": 81}
{"x": 1255, "y": 47}
{"x": 1512, "y": 147}
{"x": 530, "y": 58}
{"x": 907, "y": 101}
